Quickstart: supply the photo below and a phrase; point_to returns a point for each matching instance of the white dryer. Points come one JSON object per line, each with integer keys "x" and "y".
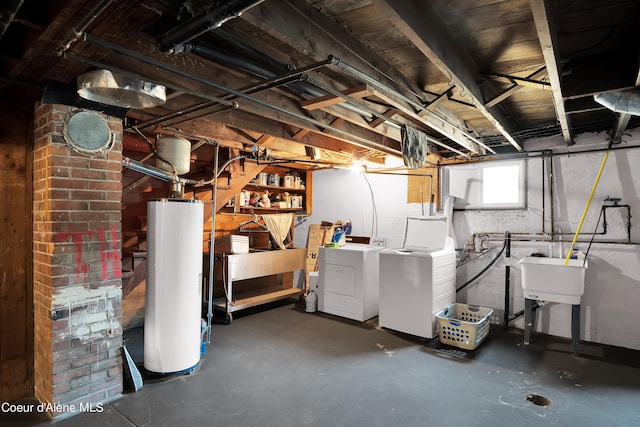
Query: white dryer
{"x": 348, "y": 283}
{"x": 419, "y": 279}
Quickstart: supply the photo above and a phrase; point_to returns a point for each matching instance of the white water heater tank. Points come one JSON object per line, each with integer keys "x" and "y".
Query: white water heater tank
{"x": 174, "y": 285}
{"x": 176, "y": 151}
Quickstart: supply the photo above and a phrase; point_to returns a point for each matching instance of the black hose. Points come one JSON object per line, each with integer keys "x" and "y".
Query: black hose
{"x": 468, "y": 282}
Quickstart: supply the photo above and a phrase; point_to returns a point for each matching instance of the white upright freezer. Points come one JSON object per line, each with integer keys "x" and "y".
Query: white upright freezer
{"x": 348, "y": 281}
{"x": 418, "y": 279}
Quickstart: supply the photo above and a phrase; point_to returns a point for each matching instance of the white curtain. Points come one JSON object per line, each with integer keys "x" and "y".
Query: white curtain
{"x": 279, "y": 226}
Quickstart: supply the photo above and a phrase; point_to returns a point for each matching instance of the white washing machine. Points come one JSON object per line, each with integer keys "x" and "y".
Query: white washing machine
{"x": 419, "y": 279}
{"x": 348, "y": 281}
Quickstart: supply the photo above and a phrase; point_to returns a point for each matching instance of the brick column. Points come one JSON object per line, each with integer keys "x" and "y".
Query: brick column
{"x": 77, "y": 268}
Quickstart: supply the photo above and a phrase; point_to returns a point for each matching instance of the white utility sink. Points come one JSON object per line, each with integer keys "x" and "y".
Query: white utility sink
{"x": 548, "y": 279}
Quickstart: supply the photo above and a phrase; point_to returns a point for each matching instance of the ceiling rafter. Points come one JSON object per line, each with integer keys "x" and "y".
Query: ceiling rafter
{"x": 421, "y": 24}
{"x": 544, "y": 19}
{"x": 282, "y": 108}
{"x": 301, "y": 26}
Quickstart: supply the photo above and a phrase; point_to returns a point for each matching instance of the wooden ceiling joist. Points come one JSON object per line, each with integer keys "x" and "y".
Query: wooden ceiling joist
{"x": 298, "y": 24}
{"x": 543, "y": 16}
{"x": 421, "y": 24}
{"x": 379, "y": 120}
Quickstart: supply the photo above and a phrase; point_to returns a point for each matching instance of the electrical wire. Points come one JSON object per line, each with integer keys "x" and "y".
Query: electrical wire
{"x": 374, "y": 218}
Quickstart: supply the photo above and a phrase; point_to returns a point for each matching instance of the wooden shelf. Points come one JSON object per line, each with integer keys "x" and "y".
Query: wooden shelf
{"x": 259, "y": 187}
{"x": 244, "y": 300}
{"x": 258, "y": 208}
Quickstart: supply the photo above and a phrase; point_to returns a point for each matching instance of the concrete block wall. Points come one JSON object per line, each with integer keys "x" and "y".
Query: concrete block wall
{"x": 612, "y": 288}
{"x": 77, "y": 268}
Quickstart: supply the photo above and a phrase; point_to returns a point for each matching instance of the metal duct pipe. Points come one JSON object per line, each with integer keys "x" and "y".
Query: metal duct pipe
{"x": 148, "y": 170}
{"x": 352, "y": 138}
{"x": 215, "y": 99}
{"x": 625, "y": 101}
{"x": 210, "y": 18}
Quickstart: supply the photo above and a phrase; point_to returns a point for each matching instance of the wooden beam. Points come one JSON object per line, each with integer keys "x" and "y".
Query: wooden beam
{"x": 386, "y": 130}
{"x": 515, "y": 87}
{"x": 419, "y": 21}
{"x": 430, "y": 120}
{"x": 543, "y": 16}
{"x": 299, "y": 134}
{"x": 359, "y": 91}
{"x": 379, "y": 120}
{"x": 442, "y": 97}
{"x": 300, "y": 25}
{"x": 267, "y": 104}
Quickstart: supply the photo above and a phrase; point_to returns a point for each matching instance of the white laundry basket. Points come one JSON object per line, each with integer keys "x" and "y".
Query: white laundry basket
{"x": 464, "y": 326}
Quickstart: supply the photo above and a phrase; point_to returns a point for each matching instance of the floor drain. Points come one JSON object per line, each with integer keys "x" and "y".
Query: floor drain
{"x": 538, "y": 400}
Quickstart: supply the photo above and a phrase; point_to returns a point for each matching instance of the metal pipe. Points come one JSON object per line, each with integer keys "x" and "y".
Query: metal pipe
{"x": 536, "y": 154}
{"x": 273, "y": 79}
{"x": 355, "y": 72}
{"x": 76, "y": 32}
{"x": 551, "y": 231}
{"x": 260, "y": 86}
{"x": 408, "y": 174}
{"x": 536, "y": 305}
{"x": 586, "y": 208}
{"x": 507, "y": 278}
{"x": 212, "y": 244}
{"x": 147, "y": 169}
{"x": 217, "y": 55}
{"x": 524, "y": 239}
{"x": 211, "y": 17}
{"x": 351, "y": 138}
{"x": 220, "y": 56}
{"x": 155, "y": 153}
{"x": 542, "y": 180}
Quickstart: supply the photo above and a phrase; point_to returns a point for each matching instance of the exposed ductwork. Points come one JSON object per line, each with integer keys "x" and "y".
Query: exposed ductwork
{"x": 120, "y": 90}
{"x": 625, "y": 101}
{"x": 211, "y": 17}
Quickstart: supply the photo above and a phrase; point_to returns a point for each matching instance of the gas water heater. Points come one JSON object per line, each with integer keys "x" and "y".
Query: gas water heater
{"x": 173, "y": 299}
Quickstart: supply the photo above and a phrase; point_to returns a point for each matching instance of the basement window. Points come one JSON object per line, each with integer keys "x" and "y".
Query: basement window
{"x": 490, "y": 185}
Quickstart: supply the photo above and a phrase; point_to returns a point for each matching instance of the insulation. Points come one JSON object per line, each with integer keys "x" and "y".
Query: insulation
{"x": 415, "y": 147}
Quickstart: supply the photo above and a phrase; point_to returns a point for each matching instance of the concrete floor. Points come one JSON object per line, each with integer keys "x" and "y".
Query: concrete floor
{"x": 284, "y": 367}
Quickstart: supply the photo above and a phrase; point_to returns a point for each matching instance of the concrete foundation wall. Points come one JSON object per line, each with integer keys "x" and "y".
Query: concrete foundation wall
{"x": 547, "y": 225}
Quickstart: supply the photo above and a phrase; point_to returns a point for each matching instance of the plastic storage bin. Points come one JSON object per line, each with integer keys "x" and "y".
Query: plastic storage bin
{"x": 464, "y": 326}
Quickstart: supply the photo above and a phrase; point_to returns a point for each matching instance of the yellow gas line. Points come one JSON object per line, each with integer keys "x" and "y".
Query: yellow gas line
{"x": 586, "y": 208}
